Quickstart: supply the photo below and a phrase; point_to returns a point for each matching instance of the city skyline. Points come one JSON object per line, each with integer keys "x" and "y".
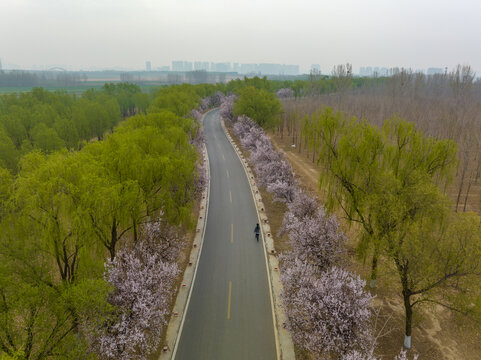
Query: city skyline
{"x": 233, "y": 67}
{"x": 125, "y": 33}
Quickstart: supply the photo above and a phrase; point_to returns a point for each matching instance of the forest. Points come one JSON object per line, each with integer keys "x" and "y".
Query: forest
{"x": 96, "y": 195}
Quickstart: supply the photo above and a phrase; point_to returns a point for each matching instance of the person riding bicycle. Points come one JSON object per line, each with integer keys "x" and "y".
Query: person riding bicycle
{"x": 257, "y": 231}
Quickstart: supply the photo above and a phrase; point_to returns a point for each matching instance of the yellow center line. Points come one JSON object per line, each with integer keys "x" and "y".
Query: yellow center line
{"x": 228, "y": 175}
{"x": 230, "y": 196}
{"x": 232, "y": 233}
{"x": 228, "y": 303}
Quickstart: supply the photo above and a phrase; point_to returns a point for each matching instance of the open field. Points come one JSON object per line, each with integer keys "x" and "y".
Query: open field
{"x": 75, "y": 89}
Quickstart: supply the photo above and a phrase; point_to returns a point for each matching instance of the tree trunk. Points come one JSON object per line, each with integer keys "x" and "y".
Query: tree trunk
{"x": 372, "y": 285}
{"x": 409, "y": 318}
{"x": 113, "y": 240}
{"x": 135, "y": 233}
{"x": 467, "y": 193}
{"x": 461, "y": 186}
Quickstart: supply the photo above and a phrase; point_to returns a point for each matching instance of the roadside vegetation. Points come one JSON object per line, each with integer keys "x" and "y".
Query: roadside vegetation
{"x": 90, "y": 231}
{"x": 390, "y": 183}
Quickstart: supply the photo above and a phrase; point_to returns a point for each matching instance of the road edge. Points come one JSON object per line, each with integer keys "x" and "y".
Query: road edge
{"x": 284, "y": 343}
{"x": 176, "y": 323}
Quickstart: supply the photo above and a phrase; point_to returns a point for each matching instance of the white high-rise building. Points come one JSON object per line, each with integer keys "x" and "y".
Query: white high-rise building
{"x": 148, "y": 66}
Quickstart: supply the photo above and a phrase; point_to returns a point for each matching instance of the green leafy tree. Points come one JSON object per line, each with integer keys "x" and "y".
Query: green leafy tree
{"x": 387, "y": 182}
{"x": 8, "y": 153}
{"x": 46, "y": 138}
{"x": 261, "y": 106}
{"x": 48, "y": 200}
{"x": 180, "y": 100}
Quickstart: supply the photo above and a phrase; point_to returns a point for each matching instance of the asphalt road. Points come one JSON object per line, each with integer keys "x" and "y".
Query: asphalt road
{"x": 229, "y": 315}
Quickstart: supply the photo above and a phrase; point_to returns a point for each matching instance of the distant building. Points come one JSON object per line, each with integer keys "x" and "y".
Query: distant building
{"x": 269, "y": 69}
{"x": 0, "y": 64}
{"x": 433, "y": 71}
{"x": 316, "y": 68}
{"x": 201, "y": 65}
{"x": 365, "y": 71}
{"x": 177, "y": 66}
{"x": 164, "y": 68}
{"x": 220, "y": 67}
{"x": 227, "y": 67}
{"x": 148, "y": 66}
{"x": 188, "y": 66}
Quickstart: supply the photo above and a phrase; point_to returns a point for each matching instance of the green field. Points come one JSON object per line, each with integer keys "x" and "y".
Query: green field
{"x": 74, "y": 89}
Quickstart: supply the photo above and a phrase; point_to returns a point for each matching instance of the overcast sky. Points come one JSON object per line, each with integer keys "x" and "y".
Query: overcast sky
{"x": 125, "y": 33}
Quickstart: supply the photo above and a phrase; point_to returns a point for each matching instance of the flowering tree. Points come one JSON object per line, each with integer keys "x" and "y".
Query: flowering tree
{"x": 357, "y": 355}
{"x": 285, "y": 93}
{"x": 201, "y": 181}
{"x": 142, "y": 282}
{"x": 328, "y": 311}
{"x": 205, "y": 104}
{"x": 282, "y": 190}
{"x": 263, "y": 154}
{"x": 197, "y": 114}
{"x": 226, "y": 107}
{"x": 272, "y": 171}
{"x": 302, "y": 205}
{"x": 216, "y": 99}
{"x": 315, "y": 237}
{"x": 243, "y": 126}
{"x": 163, "y": 239}
{"x": 404, "y": 356}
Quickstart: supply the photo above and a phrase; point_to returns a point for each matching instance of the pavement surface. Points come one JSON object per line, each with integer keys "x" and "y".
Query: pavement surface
{"x": 229, "y": 314}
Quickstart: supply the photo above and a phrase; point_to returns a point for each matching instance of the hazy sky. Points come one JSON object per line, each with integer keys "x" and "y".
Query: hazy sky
{"x": 126, "y": 33}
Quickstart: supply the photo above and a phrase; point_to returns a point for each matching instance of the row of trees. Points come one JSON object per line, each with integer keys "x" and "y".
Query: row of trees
{"x": 15, "y": 78}
{"x": 51, "y": 121}
{"x": 442, "y": 105}
{"x": 89, "y": 239}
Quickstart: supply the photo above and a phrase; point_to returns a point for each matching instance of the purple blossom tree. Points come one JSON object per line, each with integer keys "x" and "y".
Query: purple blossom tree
{"x": 226, "y": 107}
{"x": 282, "y": 190}
{"x": 205, "y": 104}
{"x": 284, "y": 93}
{"x": 199, "y": 139}
{"x": 315, "y": 237}
{"x": 328, "y": 311}
{"x": 303, "y": 205}
{"x": 142, "y": 284}
{"x": 216, "y": 99}
{"x": 163, "y": 239}
{"x": 243, "y": 126}
{"x": 263, "y": 154}
{"x": 277, "y": 169}
{"x": 201, "y": 181}
{"x": 403, "y": 355}
{"x": 252, "y": 137}
{"x": 357, "y": 355}
{"x": 196, "y": 114}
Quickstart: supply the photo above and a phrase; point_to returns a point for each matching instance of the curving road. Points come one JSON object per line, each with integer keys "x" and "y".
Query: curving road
{"x": 229, "y": 314}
